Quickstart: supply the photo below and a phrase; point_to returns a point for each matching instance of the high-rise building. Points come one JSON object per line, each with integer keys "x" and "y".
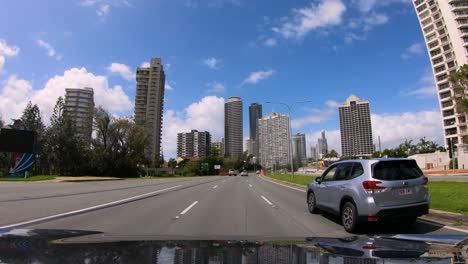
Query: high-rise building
{"x": 322, "y": 146}
{"x": 273, "y": 136}
{"x": 79, "y": 106}
{"x": 233, "y": 129}
{"x": 355, "y": 128}
{"x": 299, "y": 148}
{"x": 444, "y": 24}
{"x": 313, "y": 153}
{"x": 255, "y": 113}
{"x": 149, "y": 105}
{"x": 217, "y": 148}
{"x": 250, "y": 146}
{"x": 193, "y": 144}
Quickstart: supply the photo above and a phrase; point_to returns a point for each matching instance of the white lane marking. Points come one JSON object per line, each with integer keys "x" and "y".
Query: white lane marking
{"x": 443, "y": 226}
{"x": 216, "y": 186}
{"x": 188, "y": 208}
{"x": 266, "y": 200}
{"x": 84, "y": 210}
{"x": 250, "y": 185}
{"x": 284, "y": 185}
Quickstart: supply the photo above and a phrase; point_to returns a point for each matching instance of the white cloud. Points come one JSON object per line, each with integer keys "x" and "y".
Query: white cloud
{"x": 49, "y": 48}
{"x": 426, "y": 87}
{"x": 212, "y": 63}
{"x": 6, "y": 50}
{"x": 393, "y": 129}
{"x": 204, "y": 115}
{"x": 270, "y": 42}
{"x": 168, "y": 87}
{"x": 317, "y": 115}
{"x": 103, "y": 10}
{"x": 413, "y": 50}
{"x": 424, "y": 92}
{"x": 365, "y": 5}
{"x": 256, "y": 76}
{"x": 122, "y": 70}
{"x": 89, "y": 2}
{"x": 216, "y": 87}
{"x": 145, "y": 64}
{"x": 326, "y": 13}
{"x": 15, "y": 93}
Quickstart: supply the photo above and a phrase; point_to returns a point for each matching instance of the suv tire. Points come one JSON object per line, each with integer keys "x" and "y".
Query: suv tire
{"x": 349, "y": 217}
{"x": 312, "y": 203}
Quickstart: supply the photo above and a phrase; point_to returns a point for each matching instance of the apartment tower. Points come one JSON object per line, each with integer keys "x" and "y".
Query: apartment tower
{"x": 79, "y": 107}
{"x": 149, "y": 105}
{"x": 233, "y": 129}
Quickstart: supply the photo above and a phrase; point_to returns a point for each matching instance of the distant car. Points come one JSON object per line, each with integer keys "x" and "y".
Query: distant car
{"x": 232, "y": 173}
{"x": 257, "y": 172}
{"x": 371, "y": 190}
{"x": 244, "y": 173}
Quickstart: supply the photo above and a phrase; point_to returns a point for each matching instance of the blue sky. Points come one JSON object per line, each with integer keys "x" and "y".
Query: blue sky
{"x": 289, "y": 51}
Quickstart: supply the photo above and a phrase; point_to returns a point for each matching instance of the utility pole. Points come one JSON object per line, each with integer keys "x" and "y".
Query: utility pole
{"x": 453, "y": 154}
{"x": 380, "y": 147}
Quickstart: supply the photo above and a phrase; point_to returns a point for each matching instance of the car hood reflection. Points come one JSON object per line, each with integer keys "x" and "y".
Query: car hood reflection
{"x": 74, "y": 246}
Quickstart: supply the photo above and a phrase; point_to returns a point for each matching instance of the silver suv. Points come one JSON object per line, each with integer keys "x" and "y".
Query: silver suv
{"x": 372, "y": 190}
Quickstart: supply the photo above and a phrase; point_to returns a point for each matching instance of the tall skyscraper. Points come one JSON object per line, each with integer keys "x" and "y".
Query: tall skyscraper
{"x": 149, "y": 105}
{"x": 193, "y": 144}
{"x": 273, "y": 136}
{"x": 444, "y": 24}
{"x": 299, "y": 148}
{"x": 233, "y": 128}
{"x": 322, "y": 145}
{"x": 79, "y": 106}
{"x": 255, "y": 113}
{"x": 355, "y": 128}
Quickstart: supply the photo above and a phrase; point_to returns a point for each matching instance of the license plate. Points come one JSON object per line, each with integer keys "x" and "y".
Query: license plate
{"x": 405, "y": 191}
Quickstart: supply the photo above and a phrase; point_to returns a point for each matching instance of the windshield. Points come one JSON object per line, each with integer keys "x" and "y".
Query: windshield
{"x": 207, "y": 119}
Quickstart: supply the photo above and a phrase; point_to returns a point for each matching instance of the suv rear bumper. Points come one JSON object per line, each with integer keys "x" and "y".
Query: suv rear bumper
{"x": 410, "y": 211}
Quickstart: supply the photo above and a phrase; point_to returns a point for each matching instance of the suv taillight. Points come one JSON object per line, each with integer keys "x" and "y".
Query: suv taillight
{"x": 426, "y": 180}
{"x": 372, "y": 185}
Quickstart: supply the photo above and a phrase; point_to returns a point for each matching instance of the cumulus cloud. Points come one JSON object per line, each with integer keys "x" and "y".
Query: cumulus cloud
{"x": 425, "y": 87}
{"x": 168, "y": 87}
{"x": 204, "y": 115}
{"x": 49, "y": 49}
{"x": 215, "y": 87}
{"x": 304, "y": 20}
{"x": 413, "y": 50}
{"x": 15, "y": 93}
{"x": 6, "y": 51}
{"x": 256, "y": 76}
{"x": 122, "y": 70}
{"x": 145, "y": 64}
{"x": 212, "y": 63}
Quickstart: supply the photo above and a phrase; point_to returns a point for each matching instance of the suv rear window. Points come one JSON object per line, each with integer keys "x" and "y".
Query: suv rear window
{"x": 396, "y": 170}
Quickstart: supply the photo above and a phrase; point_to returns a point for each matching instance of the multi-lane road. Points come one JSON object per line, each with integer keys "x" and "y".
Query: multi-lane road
{"x": 203, "y": 207}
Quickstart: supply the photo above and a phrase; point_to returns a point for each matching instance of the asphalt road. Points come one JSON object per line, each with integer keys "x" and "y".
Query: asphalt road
{"x": 204, "y": 207}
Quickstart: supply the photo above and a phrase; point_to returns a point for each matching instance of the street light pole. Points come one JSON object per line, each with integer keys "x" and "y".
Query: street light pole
{"x": 289, "y": 135}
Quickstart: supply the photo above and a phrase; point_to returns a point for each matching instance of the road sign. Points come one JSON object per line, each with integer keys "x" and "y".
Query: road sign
{"x": 205, "y": 166}
{"x": 217, "y": 167}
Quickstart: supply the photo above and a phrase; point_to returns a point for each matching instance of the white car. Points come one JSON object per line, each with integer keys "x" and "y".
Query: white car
{"x": 244, "y": 173}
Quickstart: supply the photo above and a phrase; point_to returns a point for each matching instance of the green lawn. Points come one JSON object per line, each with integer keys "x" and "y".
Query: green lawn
{"x": 32, "y": 178}
{"x": 449, "y": 196}
{"x": 445, "y": 196}
{"x": 299, "y": 179}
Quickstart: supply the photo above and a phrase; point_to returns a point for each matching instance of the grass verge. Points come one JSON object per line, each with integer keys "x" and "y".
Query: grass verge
{"x": 32, "y": 178}
{"x": 445, "y": 196}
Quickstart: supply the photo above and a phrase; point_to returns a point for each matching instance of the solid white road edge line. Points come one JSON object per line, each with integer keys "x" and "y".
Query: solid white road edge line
{"x": 84, "y": 210}
{"x": 284, "y": 185}
{"x": 420, "y": 220}
{"x": 188, "y": 208}
{"x": 266, "y": 200}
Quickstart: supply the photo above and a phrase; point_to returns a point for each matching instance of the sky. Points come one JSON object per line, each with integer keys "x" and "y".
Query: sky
{"x": 319, "y": 51}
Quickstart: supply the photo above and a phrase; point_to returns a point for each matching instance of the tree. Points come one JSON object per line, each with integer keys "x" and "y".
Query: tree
{"x": 332, "y": 154}
{"x": 31, "y": 118}
{"x": 459, "y": 82}
{"x": 426, "y": 146}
